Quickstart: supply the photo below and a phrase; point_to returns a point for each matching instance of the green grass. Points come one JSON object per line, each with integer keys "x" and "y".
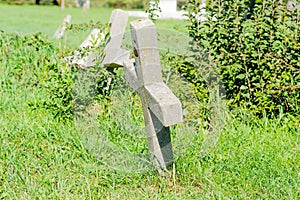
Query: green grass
{"x": 102, "y": 156}
{"x": 46, "y": 19}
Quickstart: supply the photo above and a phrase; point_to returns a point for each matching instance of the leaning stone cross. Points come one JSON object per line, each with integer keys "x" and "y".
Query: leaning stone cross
{"x": 161, "y": 108}
{"x": 113, "y": 53}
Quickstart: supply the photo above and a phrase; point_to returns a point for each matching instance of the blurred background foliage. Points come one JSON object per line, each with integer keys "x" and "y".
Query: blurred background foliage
{"x": 139, "y": 4}
{"x": 108, "y": 3}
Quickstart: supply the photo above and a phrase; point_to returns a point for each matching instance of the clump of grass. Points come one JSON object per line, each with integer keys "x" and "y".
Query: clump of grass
{"x": 103, "y": 153}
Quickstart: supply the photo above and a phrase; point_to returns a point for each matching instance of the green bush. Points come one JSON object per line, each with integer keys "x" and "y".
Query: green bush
{"x": 108, "y": 3}
{"x": 18, "y": 2}
{"x": 70, "y": 88}
{"x": 125, "y": 3}
{"x": 33, "y": 61}
{"x": 30, "y": 2}
{"x": 181, "y": 3}
{"x": 256, "y": 55}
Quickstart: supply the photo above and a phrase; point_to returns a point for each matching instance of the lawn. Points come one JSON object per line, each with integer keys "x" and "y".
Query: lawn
{"x": 46, "y": 19}
{"x": 104, "y": 154}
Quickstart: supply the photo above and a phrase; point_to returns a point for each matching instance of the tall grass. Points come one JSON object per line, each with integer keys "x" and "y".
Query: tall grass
{"x": 103, "y": 153}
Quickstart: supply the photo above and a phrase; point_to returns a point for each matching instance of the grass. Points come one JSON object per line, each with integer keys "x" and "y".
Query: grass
{"x": 104, "y": 157}
{"x": 46, "y": 19}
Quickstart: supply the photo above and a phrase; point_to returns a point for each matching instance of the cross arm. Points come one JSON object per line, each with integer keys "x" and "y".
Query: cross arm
{"x": 163, "y": 103}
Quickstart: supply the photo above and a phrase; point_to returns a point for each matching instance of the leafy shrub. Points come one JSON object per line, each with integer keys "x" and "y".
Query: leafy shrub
{"x": 125, "y": 3}
{"x": 21, "y": 2}
{"x": 256, "y": 55}
{"x": 181, "y": 3}
{"x": 72, "y": 89}
{"x": 46, "y": 2}
{"x": 34, "y": 62}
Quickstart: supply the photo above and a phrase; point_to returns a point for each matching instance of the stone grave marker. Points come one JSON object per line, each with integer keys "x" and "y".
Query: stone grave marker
{"x": 62, "y": 28}
{"x": 114, "y": 54}
{"x": 82, "y": 57}
{"x": 62, "y": 4}
{"x": 293, "y": 5}
{"x": 161, "y": 108}
{"x": 87, "y": 4}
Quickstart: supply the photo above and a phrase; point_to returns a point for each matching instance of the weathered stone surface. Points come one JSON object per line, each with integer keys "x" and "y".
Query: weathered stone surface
{"x": 161, "y": 108}
{"x": 115, "y": 58}
{"x": 145, "y": 46}
{"x": 130, "y": 74}
{"x": 163, "y": 103}
{"x": 114, "y": 55}
{"x": 84, "y": 57}
{"x": 94, "y": 39}
{"x": 59, "y": 33}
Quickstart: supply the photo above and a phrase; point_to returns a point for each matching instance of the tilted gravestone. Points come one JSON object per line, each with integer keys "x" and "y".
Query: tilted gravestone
{"x": 59, "y": 33}
{"x": 114, "y": 54}
{"x": 84, "y": 57}
{"x": 161, "y": 108}
{"x": 293, "y": 5}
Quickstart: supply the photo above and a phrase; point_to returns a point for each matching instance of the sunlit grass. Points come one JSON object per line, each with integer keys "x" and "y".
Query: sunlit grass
{"x": 44, "y": 158}
{"x": 46, "y": 19}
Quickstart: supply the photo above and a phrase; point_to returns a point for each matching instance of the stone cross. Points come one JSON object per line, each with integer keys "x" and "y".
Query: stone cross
{"x": 114, "y": 54}
{"x": 83, "y": 57}
{"x": 161, "y": 108}
{"x": 62, "y": 28}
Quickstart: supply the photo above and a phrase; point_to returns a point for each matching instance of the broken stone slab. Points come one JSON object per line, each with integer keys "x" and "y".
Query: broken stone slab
{"x": 115, "y": 58}
{"x": 130, "y": 74}
{"x": 114, "y": 54}
{"x": 93, "y": 40}
{"x": 84, "y": 56}
{"x": 59, "y": 33}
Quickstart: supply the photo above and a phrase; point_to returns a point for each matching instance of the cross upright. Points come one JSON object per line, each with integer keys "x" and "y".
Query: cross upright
{"x": 114, "y": 54}
{"x": 161, "y": 108}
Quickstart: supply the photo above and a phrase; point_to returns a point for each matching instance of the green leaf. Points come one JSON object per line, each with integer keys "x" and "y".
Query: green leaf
{"x": 241, "y": 76}
{"x": 243, "y": 87}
